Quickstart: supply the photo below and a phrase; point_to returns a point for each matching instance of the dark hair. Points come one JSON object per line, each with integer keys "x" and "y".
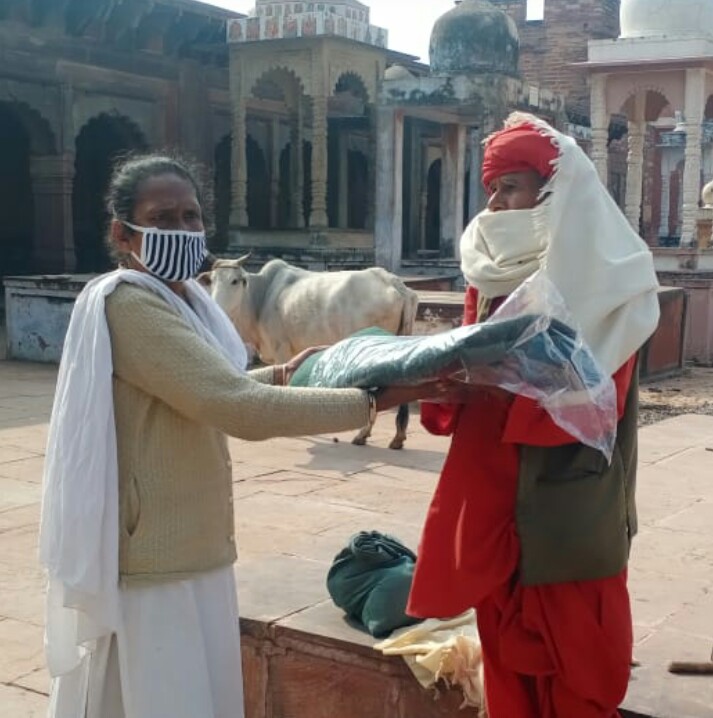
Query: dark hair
{"x": 131, "y": 171}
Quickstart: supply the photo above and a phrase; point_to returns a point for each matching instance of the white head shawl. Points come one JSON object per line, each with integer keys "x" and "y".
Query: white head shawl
{"x": 79, "y": 530}
{"x": 583, "y": 243}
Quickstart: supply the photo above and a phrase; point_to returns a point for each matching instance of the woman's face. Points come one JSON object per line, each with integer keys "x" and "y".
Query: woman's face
{"x": 516, "y": 190}
{"x": 165, "y": 201}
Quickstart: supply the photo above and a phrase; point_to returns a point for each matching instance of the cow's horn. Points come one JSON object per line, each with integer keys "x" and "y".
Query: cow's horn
{"x": 243, "y": 259}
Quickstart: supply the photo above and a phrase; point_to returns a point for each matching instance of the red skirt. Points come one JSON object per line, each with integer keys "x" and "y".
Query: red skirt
{"x": 556, "y": 651}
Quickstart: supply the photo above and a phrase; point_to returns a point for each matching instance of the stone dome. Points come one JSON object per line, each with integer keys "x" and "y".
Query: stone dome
{"x": 666, "y": 18}
{"x": 474, "y": 37}
{"x": 397, "y": 72}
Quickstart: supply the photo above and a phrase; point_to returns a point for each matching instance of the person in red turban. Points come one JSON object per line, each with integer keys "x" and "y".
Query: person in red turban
{"x": 516, "y": 527}
{"x": 518, "y": 149}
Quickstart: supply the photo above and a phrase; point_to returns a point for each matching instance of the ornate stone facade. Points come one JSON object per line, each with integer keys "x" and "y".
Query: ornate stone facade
{"x": 303, "y": 116}
{"x": 658, "y": 75}
{"x": 391, "y": 149}
{"x": 81, "y": 82}
{"x": 285, "y": 20}
{"x": 675, "y": 92}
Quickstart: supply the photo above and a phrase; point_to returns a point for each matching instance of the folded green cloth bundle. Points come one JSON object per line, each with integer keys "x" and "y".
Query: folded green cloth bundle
{"x": 530, "y": 355}
{"x": 370, "y": 579}
{"x": 303, "y": 375}
{"x": 375, "y": 358}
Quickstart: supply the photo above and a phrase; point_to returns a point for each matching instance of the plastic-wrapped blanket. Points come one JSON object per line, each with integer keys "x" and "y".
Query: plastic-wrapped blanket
{"x": 373, "y": 358}
{"x": 529, "y": 347}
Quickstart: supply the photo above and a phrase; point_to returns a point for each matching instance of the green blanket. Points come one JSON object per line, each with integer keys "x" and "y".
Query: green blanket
{"x": 303, "y": 375}
{"x": 534, "y": 347}
{"x": 370, "y": 579}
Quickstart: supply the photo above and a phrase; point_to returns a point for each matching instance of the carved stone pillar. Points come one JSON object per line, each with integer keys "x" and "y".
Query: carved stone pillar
{"x": 239, "y": 159}
{"x": 600, "y": 127}
{"x": 274, "y": 172}
{"x": 297, "y": 167}
{"x": 193, "y": 92}
{"x": 635, "y": 173}
{"x": 665, "y": 200}
{"x": 388, "y": 231}
{"x": 695, "y": 99}
{"x": 413, "y": 181}
{"x": 318, "y": 217}
{"x": 452, "y": 189}
{"x": 52, "y": 184}
{"x": 475, "y": 190}
{"x": 691, "y": 184}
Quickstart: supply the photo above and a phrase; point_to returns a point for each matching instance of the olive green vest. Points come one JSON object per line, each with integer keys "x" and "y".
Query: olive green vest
{"x": 576, "y": 514}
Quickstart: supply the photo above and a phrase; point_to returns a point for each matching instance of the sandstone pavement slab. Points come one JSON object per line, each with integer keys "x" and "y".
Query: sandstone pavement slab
{"x": 299, "y": 500}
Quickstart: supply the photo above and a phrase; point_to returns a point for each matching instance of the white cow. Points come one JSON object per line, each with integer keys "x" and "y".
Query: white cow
{"x": 282, "y": 310}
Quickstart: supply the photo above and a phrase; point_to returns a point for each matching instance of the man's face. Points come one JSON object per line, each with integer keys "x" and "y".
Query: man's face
{"x": 517, "y": 190}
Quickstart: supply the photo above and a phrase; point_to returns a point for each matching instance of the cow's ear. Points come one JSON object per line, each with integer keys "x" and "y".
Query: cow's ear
{"x": 205, "y": 279}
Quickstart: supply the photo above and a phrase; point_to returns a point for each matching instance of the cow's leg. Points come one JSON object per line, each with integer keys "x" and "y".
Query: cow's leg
{"x": 363, "y": 435}
{"x": 402, "y": 419}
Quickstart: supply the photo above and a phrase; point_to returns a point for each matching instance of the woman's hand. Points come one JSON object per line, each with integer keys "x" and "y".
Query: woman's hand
{"x": 460, "y": 392}
{"x": 392, "y": 396}
{"x": 443, "y": 391}
{"x": 284, "y": 372}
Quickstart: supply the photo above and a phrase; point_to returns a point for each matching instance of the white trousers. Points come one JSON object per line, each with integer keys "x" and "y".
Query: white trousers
{"x": 177, "y": 655}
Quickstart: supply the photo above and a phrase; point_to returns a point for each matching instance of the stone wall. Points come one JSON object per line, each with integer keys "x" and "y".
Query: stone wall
{"x": 549, "y": 47}
{"x": 81, "y": 85}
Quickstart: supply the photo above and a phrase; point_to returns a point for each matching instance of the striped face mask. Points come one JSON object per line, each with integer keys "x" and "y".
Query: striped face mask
{"x": 171, "y": 255}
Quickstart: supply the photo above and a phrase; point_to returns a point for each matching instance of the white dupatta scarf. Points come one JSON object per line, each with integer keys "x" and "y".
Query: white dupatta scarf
{"x": 582, "y": 242}
{"x": 79, "y": 529}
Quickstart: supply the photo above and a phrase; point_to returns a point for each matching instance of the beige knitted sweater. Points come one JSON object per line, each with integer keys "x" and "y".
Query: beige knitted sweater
{"x": 175, "y": 399}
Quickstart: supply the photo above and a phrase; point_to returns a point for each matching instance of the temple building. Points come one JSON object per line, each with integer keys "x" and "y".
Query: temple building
{"x": 305, "y": 79}
{"x": 658, "y": 74}
{"x": 321, "y": 144}
{"x": 432, "y": 125}
{"x": 82, "y": 81}
{"x": 349, "y": 154}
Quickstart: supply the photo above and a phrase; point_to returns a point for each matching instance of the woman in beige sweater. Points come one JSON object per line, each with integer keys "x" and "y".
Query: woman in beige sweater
{"x": 138, "y": 531}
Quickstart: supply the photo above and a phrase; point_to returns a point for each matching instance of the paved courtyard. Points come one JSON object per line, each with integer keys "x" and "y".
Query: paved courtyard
{"x": 303, "y": 499}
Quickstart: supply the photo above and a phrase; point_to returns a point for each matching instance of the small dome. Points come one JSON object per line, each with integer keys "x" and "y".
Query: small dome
{"x": 474, "y": 37}
{"x": 397, "y": 72}
{"x": 661, "y": 18}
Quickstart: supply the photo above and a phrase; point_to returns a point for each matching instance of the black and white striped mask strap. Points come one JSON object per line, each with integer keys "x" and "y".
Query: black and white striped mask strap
{"x": 172, "y": 255}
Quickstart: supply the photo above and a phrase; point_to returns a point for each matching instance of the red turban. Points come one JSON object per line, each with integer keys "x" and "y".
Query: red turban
{"x": 518, "y": 149}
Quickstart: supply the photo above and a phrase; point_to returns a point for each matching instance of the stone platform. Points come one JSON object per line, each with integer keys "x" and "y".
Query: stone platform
{"x": 297, "y": 503}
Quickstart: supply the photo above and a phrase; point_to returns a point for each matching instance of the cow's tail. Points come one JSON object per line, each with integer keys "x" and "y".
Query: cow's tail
{"x": 409, "y": 309}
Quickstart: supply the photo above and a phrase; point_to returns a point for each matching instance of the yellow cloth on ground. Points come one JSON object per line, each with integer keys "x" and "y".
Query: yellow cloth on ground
{"x": 443, "y": 650}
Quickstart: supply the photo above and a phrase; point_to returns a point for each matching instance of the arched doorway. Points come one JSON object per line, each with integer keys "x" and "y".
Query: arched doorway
{"x": 222, "y": 193}
{"x": 16, "y": 206}
{"x": 348, "y": 141}
{"x": 274, "y": 112}
{"x": 100, "y": 142}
